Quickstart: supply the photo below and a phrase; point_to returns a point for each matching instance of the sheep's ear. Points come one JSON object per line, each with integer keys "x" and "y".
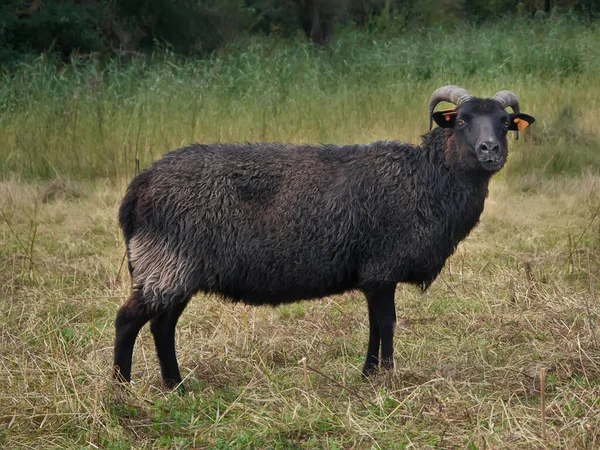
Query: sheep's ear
{"x": 445, "y": 118}
{"x": 518, "y": 122}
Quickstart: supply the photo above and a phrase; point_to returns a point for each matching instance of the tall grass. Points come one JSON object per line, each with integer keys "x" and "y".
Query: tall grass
{"x": 89, "y": 118}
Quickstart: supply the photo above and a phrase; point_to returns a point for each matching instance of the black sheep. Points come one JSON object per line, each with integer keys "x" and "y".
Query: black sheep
{"x": 276, "y": 223}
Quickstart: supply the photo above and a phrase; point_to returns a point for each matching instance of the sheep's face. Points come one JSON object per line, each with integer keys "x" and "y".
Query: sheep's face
{"x": 480, "y": 127}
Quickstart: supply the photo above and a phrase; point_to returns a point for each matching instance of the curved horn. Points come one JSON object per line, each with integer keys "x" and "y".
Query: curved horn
{"x": 451, "y": 93}
{"x": 506, "y": 99}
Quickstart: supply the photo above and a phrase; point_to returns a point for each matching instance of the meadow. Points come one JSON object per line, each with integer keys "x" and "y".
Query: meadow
{"x": 503, "y": 351}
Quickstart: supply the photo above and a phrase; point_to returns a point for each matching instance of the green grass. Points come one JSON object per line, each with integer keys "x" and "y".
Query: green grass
{"x": 519, "y": 295}
{"x": 90, "y": 118}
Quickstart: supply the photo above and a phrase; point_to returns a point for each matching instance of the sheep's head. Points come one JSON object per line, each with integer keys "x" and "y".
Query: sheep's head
{"x": 479, "y": 125}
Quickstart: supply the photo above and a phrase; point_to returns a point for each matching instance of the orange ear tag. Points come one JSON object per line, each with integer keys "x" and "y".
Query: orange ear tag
{"x": 448, "y": 113}
{"x": 521, "y": 124}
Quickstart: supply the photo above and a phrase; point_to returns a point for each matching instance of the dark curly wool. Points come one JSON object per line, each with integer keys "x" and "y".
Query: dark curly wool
{"x": 274, "y": 223}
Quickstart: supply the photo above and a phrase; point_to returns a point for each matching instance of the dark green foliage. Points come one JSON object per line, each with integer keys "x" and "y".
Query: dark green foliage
{"x": 282, "y": 18}
{"x": 58, "y": 27}
{"x": 200, "y": 27}
{"x": 188, "y": 26}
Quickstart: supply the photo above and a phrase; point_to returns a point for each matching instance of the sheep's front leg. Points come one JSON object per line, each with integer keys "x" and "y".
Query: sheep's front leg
{"x": 372, "y": 360}
{"x": 382, "y": 322}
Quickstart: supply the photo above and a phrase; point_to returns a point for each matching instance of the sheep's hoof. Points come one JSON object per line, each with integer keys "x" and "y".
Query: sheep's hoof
{"x": 173, "y": 385}
{"x": 118, "y": 376}
{"x": 369, "y": 371}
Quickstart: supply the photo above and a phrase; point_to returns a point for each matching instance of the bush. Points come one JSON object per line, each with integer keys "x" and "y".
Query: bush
{"x": 185, "y": 25}
{"x": 58, "y": 27}
{"x": 199, "y": 27}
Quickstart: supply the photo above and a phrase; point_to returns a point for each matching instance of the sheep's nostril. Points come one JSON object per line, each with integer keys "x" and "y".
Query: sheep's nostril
{"x": 489, "y": 147}
{"x": 488, "y": 151}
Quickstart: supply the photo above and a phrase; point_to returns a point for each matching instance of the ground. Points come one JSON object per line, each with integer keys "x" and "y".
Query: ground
{"x": 512, "y": 319}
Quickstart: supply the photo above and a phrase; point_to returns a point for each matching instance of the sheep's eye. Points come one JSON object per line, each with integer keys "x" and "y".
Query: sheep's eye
{"x": 505, "y": 124}
{"x": 460, "y": 122}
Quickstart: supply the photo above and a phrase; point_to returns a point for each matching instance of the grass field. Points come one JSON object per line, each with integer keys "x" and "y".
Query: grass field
{"x": 503, "y": 351}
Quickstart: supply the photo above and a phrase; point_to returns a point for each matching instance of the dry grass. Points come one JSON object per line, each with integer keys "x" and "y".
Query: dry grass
{"x": 511, "y": 324}
{"x": 517, "y": 299}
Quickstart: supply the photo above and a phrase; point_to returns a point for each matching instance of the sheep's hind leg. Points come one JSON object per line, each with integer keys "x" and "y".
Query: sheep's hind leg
{"x": 131, "y": 317}
{"x": 163, "y": 330}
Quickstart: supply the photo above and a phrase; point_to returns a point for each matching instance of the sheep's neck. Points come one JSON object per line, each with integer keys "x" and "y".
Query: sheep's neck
{"x": 466, "y": 193}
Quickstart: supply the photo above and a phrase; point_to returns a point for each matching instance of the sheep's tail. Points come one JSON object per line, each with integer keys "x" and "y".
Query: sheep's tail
{"x": 127, "y": 219}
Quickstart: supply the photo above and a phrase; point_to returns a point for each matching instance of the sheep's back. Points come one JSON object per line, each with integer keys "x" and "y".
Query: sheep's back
{"x": 262, "y": 223}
